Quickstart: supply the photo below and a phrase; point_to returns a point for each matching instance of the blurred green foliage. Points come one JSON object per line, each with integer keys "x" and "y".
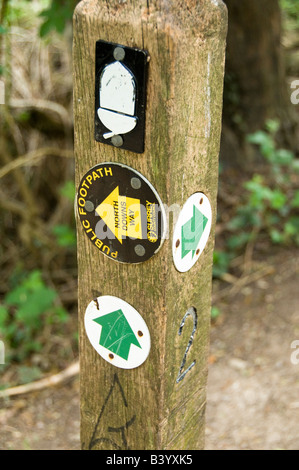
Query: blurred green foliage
{"x": 66, "y": 234}
{"x": 274, "y": 207}
{"x": 270, "y": 203}
{"x": 68, "y": 190}
{"x": 32, "y": 305}
{"x": 23, "y": 12}
{"x": 56, "y": 16}
{"x": 290, "y": 8}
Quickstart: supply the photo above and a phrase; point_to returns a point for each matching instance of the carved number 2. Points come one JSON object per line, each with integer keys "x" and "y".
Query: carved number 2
{"x": 192, "y": 312}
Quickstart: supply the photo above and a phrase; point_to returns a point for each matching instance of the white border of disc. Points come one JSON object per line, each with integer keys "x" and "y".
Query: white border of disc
{"x": 185, "y": 264}
{"x": 108, "y": 304}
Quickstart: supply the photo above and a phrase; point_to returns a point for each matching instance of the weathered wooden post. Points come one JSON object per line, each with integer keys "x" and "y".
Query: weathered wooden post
{"x": 148, "y": 81}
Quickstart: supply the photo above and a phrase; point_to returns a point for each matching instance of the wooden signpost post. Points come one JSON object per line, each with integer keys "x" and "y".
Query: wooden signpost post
{"x": 148, "y": 81}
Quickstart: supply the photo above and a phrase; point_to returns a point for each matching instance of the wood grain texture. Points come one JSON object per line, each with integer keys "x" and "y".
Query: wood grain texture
{"x": 145, "y": 408}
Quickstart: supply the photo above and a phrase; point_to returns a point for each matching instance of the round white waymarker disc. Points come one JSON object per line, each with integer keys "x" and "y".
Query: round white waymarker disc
{"x": 117, "y": 332}
{"x": 191, "y": 232}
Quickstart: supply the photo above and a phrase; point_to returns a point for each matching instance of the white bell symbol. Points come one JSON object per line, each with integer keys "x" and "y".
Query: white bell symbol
{"x": 117, "y": 100}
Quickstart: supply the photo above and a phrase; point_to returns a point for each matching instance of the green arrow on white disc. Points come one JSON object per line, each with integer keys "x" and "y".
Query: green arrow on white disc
{"x": 117, "y": 332}
{"x": 191, "y": 232}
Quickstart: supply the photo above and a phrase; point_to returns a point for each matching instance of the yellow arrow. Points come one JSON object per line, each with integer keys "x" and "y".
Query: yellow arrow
{"x": 122, "y": 215}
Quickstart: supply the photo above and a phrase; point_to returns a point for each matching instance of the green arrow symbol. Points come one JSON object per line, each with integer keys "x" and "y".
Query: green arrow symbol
{"x": 117, "y": 335}
{"x": 192, "y": 232}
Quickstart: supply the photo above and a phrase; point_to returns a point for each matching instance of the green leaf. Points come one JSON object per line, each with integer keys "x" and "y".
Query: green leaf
{"x": 34, "y": 281}
{"x": 272, "y": 126}
{"x": 4, "y": 316}
{"x": 32, "y": 298}
{"x": 215, "y": 313}
{"x": 16, "y": 297}
{"x": 68, "y": 190}
{"x": 57, "y": 315}
{"x": 255, "y": 185}
{"x": 221, "y": 261}
{"x": 295, "y": 166}
{"x": 290, "y": 229}
{"x": 39, "y": 302}
{"x": 295, "y": 200}
{"x": 294, "y": 222}
{"x": 283, "y": 157}
{"x": 56, "y": 16}
{"x": 238, "y": 241}
{"x": 65, "y": 236}
{"x": 45, "y": 28}
{"x": 265, "y": 142}
{"x": 236, "y": 223}
{"x": 278, "y": 199}
{"x": 20, "y": 294}
{"x": 276, "y": 236}
{"x": 273, "y": 218}
{"x": 247, "y": 216}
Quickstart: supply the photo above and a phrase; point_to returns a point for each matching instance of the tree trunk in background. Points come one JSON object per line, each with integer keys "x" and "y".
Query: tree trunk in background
{"x": 255, "y": 82}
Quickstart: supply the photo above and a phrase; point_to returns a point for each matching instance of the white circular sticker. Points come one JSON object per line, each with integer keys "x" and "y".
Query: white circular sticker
{"x": 191, "y": 231}
{"x": 117, "y": 332}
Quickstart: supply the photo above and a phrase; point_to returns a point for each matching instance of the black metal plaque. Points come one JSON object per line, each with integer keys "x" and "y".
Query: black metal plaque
{"x": 121, "y": 213}
{"x": 120, "y": 96}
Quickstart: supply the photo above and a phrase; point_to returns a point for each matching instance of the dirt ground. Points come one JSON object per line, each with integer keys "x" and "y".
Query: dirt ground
{"x": 253, "y": 386}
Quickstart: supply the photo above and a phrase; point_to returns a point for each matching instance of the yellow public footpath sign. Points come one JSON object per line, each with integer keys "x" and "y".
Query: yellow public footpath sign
{"x": 121, "y": 213}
